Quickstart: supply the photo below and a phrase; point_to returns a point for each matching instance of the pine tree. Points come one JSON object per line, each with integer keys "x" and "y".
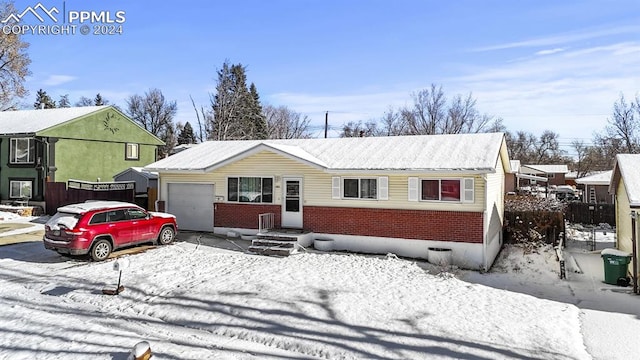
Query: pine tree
{"x": 258, "y": 120}
{"x": 99, "y": 101}
{"x": 64, "y": 101}
{"x": 237, "y": 113}
{"x": 43, "y": 101}
{"x": 186, "y": 135}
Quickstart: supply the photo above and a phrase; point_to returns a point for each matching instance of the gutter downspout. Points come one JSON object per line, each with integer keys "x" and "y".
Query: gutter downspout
{"x": 485, "y": 225}
{"x": 634, "y": 251}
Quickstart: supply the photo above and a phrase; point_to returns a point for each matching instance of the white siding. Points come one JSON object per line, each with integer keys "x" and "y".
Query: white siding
{"x": 494, "y": 213}
{"x": 318, "y": 184}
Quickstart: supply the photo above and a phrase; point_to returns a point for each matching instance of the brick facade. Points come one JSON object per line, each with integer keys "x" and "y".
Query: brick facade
{"x": 242, "y": 215}
{"x": 408, "y": 224}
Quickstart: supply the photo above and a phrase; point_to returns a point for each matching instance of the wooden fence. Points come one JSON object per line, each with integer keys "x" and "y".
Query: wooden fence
{"x": 59, "y": 194}
{"x": 585, "y": 213}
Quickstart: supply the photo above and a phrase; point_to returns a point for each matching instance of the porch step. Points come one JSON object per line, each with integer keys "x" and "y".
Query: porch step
{"x": 278, "y": 237}
{"x": 273, "y": 245}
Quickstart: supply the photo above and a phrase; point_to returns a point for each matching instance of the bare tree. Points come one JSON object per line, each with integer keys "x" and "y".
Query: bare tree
{"x": 204, "y": 118}
{"x": 84, "y": 101}
{"x": 625, "y": 124}
{"x": 429, "y": 110}
{"x": 432, "y": 114}
{"x": 360, "y": 129}
{"x": 392, "y": 124}
{"x": 14, "y": 63}
{"x": 284, "y": 123}
{"x": 154, "y": 113}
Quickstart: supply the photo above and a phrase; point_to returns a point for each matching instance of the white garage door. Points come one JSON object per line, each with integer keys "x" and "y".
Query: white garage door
{"x": 192, "y": 204}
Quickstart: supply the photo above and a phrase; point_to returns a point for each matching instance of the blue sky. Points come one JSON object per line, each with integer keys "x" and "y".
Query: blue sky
{"x": 557, "y": 65}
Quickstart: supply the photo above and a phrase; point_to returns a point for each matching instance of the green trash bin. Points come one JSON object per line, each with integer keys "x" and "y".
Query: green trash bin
{"x": 616, "y": 263}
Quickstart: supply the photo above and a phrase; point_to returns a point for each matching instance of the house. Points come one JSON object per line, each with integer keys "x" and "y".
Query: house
{"x": 146, "y": 184}
{"x": 517, "y": 182}
{"x": 625, "y": 186}
{"x": 555, "y": 174}
{"x": 399, "y": 194}
{"x": 55, "y": 145}
{"x": 596, "y": 187}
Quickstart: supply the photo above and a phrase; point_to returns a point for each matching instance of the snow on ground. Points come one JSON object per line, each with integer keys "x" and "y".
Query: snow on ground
{"x": 192, "y": 301}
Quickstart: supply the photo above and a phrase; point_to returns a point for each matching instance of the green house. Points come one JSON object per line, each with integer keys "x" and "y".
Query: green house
{"x": 90, "y": 143}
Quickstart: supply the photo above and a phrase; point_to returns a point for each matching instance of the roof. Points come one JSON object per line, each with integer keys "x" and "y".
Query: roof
{"x": 81, "y": 208}
{"x": 32, "y": 121}
{"x": 600, "y": 178}
{"x": 627, "y": 170}
{"x": 462, "y": 152}
{"x": 549, "y": 169}
{"x": 140, "y": 171}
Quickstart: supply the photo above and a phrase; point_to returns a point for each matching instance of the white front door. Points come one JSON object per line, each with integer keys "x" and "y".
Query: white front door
{"x": 292, "y": 203}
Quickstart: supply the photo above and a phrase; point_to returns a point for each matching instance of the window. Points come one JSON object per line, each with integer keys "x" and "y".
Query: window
{"x": 116, "y": 215}
{"x": 376, "y": 188}
{"x": 449, "y": 190}
{"x": 250, "y": 189}
{"x": 360, "y": 188}
{"x": 22, "y": 151}
{"x": 99, "y": 218}
{"x": 20, "y": 189}
{"x": 131, "y": 152}
{"x": 137, "y": 214}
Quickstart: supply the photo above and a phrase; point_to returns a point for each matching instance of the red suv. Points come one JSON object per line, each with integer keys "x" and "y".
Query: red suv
{"x": 99, "y": 227}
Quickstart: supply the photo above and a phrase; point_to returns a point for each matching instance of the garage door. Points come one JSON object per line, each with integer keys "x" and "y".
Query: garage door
{"x": 192, "y": 204}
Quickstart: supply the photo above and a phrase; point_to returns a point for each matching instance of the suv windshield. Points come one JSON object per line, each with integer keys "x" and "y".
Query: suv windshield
{"x": 61, "y": 219}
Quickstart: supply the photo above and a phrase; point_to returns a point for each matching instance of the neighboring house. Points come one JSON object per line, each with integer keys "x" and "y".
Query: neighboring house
{"x": 146, "y": 184}
{"x": 399, "y": 194}
{"x": 510, "y": 178}
{"x": 54, "y": 145}
{"x": 515, "y": 181}
{"x": 596, "y": 188}
{"x": 625, "y": 185}
{"x": 555, "y": 174}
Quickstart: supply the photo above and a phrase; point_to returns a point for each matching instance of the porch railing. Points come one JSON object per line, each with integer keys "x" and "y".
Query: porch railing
{"x": 265, "y": 222}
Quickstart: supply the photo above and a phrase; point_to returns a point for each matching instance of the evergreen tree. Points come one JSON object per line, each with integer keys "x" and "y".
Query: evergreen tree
{"x": 64, "y": 101}
{"x": 237, "y": 113}
{"x": 258, "y": 121}
{"x": 43, "y": 101}
{"x": 186, "y": 135}
{"x": 99, "y": 101}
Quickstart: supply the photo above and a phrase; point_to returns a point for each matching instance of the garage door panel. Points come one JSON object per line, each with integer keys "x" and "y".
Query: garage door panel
{"x": 192, "y": 204}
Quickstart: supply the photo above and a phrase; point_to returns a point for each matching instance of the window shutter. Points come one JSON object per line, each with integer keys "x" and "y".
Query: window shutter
{"x": 383, "y": 188}
{"x": 335, "y": 187}
{"x": 413, "y": 189}
{"x": 468, "y": 190}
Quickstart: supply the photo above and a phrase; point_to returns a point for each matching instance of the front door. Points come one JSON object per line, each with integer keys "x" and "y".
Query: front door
{"x": 292, "y": 203}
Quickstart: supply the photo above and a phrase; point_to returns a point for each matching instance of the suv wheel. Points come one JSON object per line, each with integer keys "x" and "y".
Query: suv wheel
{"x": 166, "y": 235}
{"x": 101, "y": 250}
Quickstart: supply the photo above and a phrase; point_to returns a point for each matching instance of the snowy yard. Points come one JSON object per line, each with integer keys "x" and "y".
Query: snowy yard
{"x": 192, "y": 301}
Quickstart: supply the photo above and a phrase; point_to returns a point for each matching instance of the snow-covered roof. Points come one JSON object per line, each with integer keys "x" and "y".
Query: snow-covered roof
{"x": 463, "y": 152}
{"x": 32, "y": 121}
{"x": 627, "y": 169}
{"x": 139, "y": 170}
{"x": 600, "y": 178}
{"x": 549, "y": 169}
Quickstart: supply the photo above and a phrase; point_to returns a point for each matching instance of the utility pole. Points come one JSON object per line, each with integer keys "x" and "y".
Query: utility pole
{"x": 634, "y": 251}
{"x": 326, "y": 123}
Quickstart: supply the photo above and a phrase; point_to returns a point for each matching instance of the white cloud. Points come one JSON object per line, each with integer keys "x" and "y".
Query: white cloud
{"x": 550, "y": 51}
{"x": 55, "y": 80}
{"x": 563, "y": 38}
